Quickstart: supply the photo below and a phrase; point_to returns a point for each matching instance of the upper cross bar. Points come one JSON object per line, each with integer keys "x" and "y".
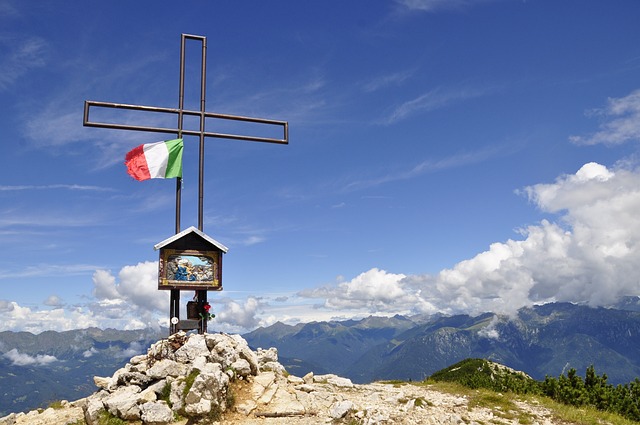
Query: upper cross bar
{"x": 177, "y": 111}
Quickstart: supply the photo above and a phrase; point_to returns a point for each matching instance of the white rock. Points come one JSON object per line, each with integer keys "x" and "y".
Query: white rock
{"x": 193, "y": 348}
{"x": 200, "y": 408}
{"x": 266, "y": 356}
{"x": 156, "y": 413}
{"x": 273, "y": 367}
{"x": 241, "y": 367}
{"x": 136, "y": 360}
{"x": 102, "y": 382}
{"x": 340, "y": 382}
{"x": 247, "y": 353}
{"x": 92, "y": 411}
{"x": 340, "y": 409}
{"x": 225, "y": 352}
{"x": 305, "y": 388}
{"x": 166, "y": 367}
{"x": 148, "y": 395}
{"x": 308, "y": 378}
{"x": 199, "y": 363}
{"x": 124, "y": 403}
{"x": 175, "y": 396}
{"x": 292, "y": 379}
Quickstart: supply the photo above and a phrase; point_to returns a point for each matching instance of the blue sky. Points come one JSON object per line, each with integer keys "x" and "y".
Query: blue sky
{"x": 445, "y": 156}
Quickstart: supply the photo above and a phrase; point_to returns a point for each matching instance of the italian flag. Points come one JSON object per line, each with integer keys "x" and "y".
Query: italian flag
{"x": 162, "y": 160}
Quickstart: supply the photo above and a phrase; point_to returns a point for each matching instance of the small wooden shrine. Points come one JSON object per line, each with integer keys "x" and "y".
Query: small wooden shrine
{"x": 190, "y": 260}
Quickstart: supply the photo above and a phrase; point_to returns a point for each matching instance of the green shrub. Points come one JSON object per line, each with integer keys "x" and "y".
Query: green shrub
{"x": 572, "y": 390}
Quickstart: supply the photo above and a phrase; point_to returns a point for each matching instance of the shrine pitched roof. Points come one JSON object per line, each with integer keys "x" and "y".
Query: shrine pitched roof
{"x": 187, "y": 231}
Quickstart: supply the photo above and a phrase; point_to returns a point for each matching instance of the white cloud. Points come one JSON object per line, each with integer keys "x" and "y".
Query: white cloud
{"x": 240, "y": 315}
{"x": 133, "y": 300}
{"x": 90, "y": 352}
{"x": 23, "y": 54}
{"x": 135, "y": 348}
{"x": 428, "y": 166}
{"x": 137, "y": 288}
{"x": 79, "y": 187}
{"x": 385, "y": 81}
{"x": 437, "y": 98}
{"x": 6, "y": 306}
{"x": 588, "y": 253}
{"x": 53, "y": 301}
{"x": 17, "y": 317}
{"x": 591, "y": 255}
{"x": 435, "y": 5}
{"x": 622, "y": 122}
{"x": 375, "y": 291}
{"x": 21, "y": 359}
{"x": 490, "y": 331}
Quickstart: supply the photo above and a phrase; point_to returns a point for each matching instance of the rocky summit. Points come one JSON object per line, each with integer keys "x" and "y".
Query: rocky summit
{"x": 217, "y": 378}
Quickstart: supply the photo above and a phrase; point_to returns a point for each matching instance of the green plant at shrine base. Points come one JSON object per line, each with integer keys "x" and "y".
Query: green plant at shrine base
{"x": 206, "y": 315}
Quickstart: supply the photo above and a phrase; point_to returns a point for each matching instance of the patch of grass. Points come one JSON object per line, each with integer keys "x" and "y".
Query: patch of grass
{"x": 106, "y": 418}
{"x": 583, "y": 415}
{"x": 231, "y": 399}
{"x": 57, "y": 404}
{"x": 502, "y": 405}
{"x": 189, "y": 381}
{"x": 420, "y": 401}
{"x": 561, "y": 412}
{"x": 165, "y": 394}
{"x": 395, "y": 382}
{"x": 215, "y": 414}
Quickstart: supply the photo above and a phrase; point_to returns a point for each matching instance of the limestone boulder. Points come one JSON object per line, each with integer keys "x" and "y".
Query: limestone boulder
{"x": 156, "y": 413}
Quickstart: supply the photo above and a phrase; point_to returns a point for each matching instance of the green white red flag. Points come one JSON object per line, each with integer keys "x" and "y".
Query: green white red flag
{"x": 161, "y": 160}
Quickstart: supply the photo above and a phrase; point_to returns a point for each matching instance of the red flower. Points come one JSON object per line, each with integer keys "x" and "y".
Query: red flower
{"x": 207, "y": 307}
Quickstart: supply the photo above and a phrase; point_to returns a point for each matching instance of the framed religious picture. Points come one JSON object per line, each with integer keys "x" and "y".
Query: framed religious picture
{"x": 190, "y": 260}
{"x": 190, "y": 269}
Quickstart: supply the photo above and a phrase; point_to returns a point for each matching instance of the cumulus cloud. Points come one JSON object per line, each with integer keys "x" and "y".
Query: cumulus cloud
{"x": 135, "y": 288}
{"x": 242, "y": 315}
{"x": 134, "y": 348}
{"x": 621, "y": 122}
{"x": 590, "y": 255}
{"x": 53, "y": 301}
{"x": 21, "y": 359}
{"x": 6, "y": 306}
{"x": 89, "y": 353}
{"x": 27, "y": 319}
{"x": 130, "y": 300}
{"x": 587, "y": 251}
{"x": 375, "y": 291}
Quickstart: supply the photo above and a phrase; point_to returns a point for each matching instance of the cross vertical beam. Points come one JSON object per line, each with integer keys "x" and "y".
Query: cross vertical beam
{"x": 180, "y": 112}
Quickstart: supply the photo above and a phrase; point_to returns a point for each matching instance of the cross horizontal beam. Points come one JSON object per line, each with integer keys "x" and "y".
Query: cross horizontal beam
{"x": 177, "y": 111}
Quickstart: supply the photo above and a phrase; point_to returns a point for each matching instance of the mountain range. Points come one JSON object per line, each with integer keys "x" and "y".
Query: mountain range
{"x": 38, "y": 369}
{"x": 542, "y": 340}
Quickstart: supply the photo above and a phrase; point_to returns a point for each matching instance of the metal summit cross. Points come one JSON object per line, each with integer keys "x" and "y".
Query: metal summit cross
{"x": 180, "y": 113}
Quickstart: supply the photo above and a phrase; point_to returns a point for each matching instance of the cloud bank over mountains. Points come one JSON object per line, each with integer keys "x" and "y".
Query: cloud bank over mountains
{"x": 589, "y": 254}
{"x": 587, "y": 251}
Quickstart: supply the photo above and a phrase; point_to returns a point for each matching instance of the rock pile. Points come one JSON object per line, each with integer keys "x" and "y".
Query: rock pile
{"x": 217, "y": 378}
{"x": 182, "y": 376}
